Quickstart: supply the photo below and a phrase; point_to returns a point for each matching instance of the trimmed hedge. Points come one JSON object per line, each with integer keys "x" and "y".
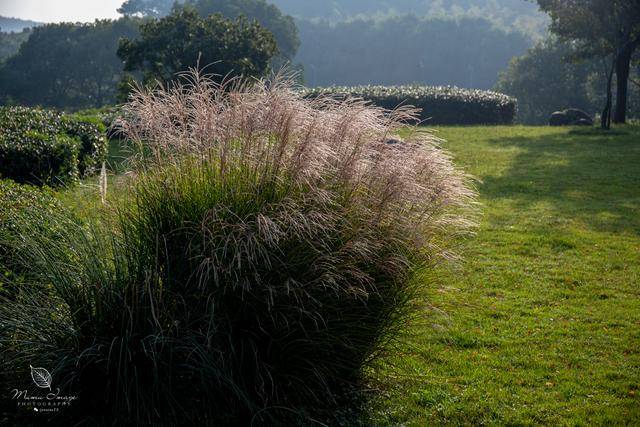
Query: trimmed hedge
{"x": 440, "y": 105}
{"x": 46, "y": 147}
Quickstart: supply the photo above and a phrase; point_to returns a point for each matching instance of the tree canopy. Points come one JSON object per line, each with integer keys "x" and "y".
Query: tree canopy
{"x": 600, "y": 28}
{"x": 67, "y": 65}
{"x": 10, "y": 42}
{"x": 184, "y": 39}
{"x": 543, "y": 81}
{"x": 269, "y": 16}
{"x": 151, "y": 8}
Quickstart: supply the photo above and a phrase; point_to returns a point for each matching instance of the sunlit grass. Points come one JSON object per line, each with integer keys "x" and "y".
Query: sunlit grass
{"x": 541, "y": 322}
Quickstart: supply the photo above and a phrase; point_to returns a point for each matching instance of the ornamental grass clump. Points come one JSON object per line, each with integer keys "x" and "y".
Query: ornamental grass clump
{"x": 258, "y": 261}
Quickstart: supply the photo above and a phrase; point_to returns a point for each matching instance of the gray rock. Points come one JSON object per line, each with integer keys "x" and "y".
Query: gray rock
{"x": 570, "y": 117}
{"x": 583, "y": 122}
{"x": 576, "y": 115}
{"x": 559, "y": 118}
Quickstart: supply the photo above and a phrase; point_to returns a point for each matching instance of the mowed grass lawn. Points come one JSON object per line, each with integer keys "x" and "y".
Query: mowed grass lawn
{"x": 540, "y": 324}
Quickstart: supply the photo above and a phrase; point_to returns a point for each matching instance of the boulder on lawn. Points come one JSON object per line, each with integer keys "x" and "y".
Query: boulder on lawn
{"x": 559, "y": 118}
{"x": 583, "y": 122}
{"x": 575, "y": 115}
{"x": 570, "y": 117}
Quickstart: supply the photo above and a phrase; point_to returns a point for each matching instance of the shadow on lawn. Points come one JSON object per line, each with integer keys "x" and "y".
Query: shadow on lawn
{"x": 588, "y": 175}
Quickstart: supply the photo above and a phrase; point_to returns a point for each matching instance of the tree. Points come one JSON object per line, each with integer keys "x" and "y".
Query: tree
{"x": 10, "y": 42}
{"x": 543, "y": 81}
{"x": 601, "y": 28}
{"x": 67, "y": 65}
{"x": 183, "y": 39}
{"x": 269, "y": 16}
{"x": 150, "y": 8}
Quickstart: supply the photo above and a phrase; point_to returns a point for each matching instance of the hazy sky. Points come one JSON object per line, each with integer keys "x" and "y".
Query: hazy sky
{"x": 60, "y": 10}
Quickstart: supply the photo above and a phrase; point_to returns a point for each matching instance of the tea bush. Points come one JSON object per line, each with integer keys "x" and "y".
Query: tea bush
{"x": 257, "y": 262}
{"x": 439, "y": 105}
{"x": 46, "y": 147}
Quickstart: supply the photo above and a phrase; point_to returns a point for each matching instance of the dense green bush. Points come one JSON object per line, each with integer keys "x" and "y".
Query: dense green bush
{"x": 104, "y": 118}
{"x": 184, "y": 40}
{"x": 47, "y": 147}
{"x": 439, "y": 105}
{"x": 255, "y": 265}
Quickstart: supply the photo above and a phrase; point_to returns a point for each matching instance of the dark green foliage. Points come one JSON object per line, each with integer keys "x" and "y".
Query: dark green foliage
{"x": 179, "y": 41}
{"x": 469, "y": 52}
{"x": 46, "y": 147}
{"x": 67, "y": 65}
{"x": 269, "y": 16}
{"x": 104, "y": 118}
{"x": 10, "y": 43}
{"x": 440, "y": 105}
{"x": 544, "y": 81}
{"x": 603, "y": 29}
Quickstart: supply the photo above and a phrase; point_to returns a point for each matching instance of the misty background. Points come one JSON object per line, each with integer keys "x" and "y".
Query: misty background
{"x": 502, "y": 45}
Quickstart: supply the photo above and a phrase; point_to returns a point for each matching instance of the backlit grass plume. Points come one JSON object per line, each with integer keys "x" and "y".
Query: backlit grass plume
{"x": 257, "y": 261}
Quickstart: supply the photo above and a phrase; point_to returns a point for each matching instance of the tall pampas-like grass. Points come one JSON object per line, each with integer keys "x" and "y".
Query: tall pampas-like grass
{"x": 259, "y": 259}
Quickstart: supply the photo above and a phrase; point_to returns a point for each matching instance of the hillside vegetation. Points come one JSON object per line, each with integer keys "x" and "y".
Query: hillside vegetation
{"x": 15, "y": 25}
{"x": 517, "y": 14}
{"x": 469, "y": 52}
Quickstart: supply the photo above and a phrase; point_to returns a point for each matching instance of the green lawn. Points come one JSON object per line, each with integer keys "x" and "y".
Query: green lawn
{"x": 540, "y": 324}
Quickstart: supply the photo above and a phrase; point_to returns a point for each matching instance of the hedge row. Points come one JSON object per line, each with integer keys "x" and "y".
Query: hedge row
{"x": 440, "y": 105}
{"x": 46, "y": 147}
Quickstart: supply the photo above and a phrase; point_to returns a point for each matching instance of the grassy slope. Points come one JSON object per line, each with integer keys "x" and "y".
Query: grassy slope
{"x": 541, "y": 323}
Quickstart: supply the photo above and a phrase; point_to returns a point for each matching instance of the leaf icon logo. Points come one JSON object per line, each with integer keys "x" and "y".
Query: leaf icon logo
{"x": 41, "y": 377}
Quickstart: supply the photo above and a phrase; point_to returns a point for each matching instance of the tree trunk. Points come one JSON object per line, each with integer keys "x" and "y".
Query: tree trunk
{"x": 605, "y": 120}
{"x": 623, "y": 64}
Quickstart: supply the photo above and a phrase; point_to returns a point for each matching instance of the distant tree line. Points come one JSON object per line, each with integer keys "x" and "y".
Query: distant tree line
{"x": 67, "y": 65}
{"x": 74, "y": 66}
{"x": 10, "y": 42}
{"x": 15, "y": 25}
{"x": 514, "y": 14}
{"x": 469, "y": 52}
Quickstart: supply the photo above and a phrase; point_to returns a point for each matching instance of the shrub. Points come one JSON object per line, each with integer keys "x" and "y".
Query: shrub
{"x": 257, "y": 263}
{"x": 439, "y": 105}
{"x": 46, "y": 147}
